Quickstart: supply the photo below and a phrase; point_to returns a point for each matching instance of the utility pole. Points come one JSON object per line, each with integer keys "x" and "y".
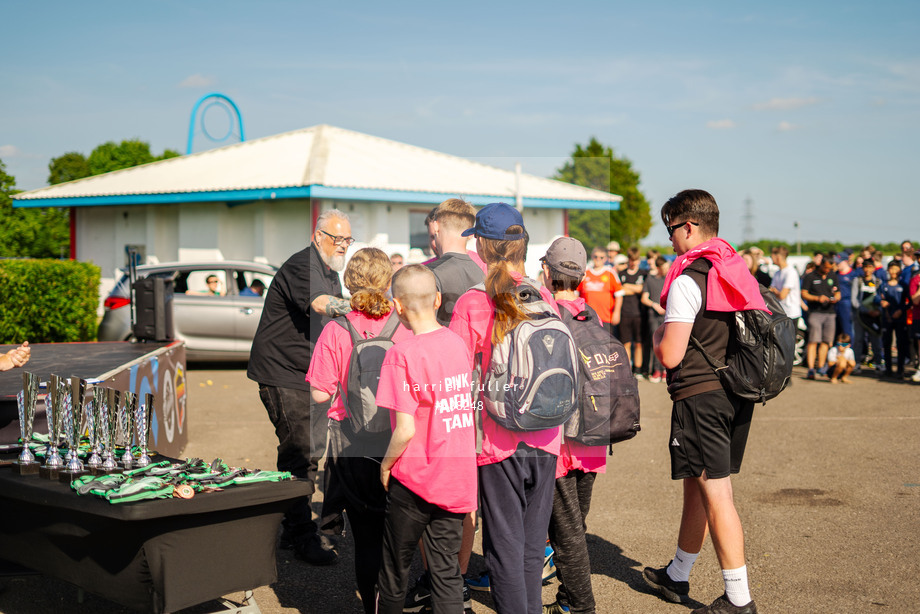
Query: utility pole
{"x": 747, "y": 234}
{"x": 798, "y": 243}
{"x": 518, "y": 198}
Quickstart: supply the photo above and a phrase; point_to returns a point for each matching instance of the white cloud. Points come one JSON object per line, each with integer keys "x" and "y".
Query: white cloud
{"x": 9, "y": 151}
{"x": 721, "y": 124}
{"x": 198, "y": 80}
{"x": 785, "y": 104}
{"x": 785, "y": 126}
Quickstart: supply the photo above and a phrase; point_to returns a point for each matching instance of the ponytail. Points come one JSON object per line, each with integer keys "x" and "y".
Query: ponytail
{"x": 367, "y": 277}
{"x": 503, "y": 257}
{"x": 372, "y": 303}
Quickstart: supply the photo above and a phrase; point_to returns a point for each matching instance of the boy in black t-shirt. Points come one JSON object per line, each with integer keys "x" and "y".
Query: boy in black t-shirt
{"x": 821, "y": 294}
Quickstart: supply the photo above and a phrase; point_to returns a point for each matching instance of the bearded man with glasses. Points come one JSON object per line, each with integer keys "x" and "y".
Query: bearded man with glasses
{"x": 303, "y": 296}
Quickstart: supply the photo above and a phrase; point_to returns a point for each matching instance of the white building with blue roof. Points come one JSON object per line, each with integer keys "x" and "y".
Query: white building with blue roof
{"x": 258, "y": 200}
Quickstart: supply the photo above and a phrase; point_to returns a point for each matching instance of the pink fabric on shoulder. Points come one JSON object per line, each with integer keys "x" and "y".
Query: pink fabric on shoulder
{"x": 428, "y": 377}
{"x": 733, "y": 288}
{"x": 474, "y": 256}
{"x": 328, "y": 370}
{"x": 472, "y": 320}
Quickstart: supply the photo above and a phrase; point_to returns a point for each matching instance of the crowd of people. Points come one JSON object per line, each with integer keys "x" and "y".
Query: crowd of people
{"x": 442, "y": 465}
{"x": 862, "y": 314}
{"x": 856, "y": 307}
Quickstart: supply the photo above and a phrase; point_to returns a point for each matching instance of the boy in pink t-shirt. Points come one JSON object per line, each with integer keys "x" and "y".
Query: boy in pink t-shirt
{"x": 578, "y": 464}
{"x": 429, "y": 469}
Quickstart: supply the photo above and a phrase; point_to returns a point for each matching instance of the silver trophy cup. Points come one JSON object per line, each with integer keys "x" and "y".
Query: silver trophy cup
{"x": 74, "y": 427}
{"x": 92, "y": 431}
{"x": 108, "y": 422}
{"x": 144, "y": 412}
{"x": 126, "y": 427}
{"x": 53, "y": 411}
{"x": 26, "y": 399}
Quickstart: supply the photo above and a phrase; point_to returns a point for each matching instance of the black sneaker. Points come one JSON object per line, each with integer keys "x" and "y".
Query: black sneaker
{"x": 467, "y": 599}
{"x": 313, "y": 551}
{"x": 672, "y": 591}
{"x": 723, "y": 606}
{"x": 418, "y": 599}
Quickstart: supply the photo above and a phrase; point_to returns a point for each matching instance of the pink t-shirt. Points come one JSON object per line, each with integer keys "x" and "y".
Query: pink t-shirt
{"x": 472, "y": 320}
{"x": 574, "y": 455}
{"x": 328, "y": 370}
{"x": 428, "y": 377}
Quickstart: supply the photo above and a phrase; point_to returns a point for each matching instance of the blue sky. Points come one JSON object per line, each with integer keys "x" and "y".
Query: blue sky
{"x": 810, "y": 109}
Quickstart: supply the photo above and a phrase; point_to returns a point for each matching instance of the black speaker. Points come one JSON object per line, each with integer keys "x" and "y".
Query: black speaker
{"x": 153, "y": 303}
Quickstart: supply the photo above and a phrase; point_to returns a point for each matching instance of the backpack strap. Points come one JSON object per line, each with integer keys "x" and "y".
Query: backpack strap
{"x": 348, "y": 326}
{"x": 389, "y": 329}
{"x": 715, "y": 364}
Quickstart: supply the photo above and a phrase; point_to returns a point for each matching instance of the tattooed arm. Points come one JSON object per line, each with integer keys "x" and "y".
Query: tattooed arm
{"x": 331, "y": 306}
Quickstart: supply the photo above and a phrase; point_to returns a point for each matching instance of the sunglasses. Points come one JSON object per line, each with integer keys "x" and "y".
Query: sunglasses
{"x": 339, "y": 240}
{"x": 672, "y": 229}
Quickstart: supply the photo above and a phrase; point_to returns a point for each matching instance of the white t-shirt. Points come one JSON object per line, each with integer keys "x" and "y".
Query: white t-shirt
{"x": 789, "y": 278}
{"x": 833, "y": 353}
{"x": 684, "y": 300}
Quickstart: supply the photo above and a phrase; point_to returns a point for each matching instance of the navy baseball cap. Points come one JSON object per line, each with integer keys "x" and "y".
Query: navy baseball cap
{"x": 493, "y": 221}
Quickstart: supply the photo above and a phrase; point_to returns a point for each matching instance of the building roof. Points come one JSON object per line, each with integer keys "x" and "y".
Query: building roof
{"x": 321, "y": 162}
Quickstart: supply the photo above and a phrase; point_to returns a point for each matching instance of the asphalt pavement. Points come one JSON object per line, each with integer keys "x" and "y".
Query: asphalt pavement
{"x": 829, "y": 496}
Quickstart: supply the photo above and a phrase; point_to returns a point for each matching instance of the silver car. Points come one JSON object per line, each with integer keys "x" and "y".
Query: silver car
{"x": 216, "y": 306}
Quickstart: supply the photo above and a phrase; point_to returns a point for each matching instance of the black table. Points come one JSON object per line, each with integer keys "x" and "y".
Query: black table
{"x": 159, "y": 555}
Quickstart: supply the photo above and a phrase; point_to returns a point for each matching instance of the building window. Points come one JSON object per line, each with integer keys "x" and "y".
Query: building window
{"x": 418, "y": 232}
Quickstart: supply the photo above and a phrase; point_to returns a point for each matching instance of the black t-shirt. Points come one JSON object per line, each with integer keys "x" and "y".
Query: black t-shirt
{"x": 631, "y": 304}
{"x": 286, "y": 335}
{"x": 820, "y": 286}
{"x": 455, "y": 274}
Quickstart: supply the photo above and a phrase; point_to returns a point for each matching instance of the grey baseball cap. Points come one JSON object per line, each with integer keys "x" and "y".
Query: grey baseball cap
{"x": 566, "y": 250}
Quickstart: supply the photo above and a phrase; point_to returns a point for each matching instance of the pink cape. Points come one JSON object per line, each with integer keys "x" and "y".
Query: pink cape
{"x": 733, "y": 288}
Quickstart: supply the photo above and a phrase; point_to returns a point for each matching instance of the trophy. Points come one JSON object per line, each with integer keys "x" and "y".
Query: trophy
{"x": 108, "y": 413}
{"x": 91, "y": 418}
{"x": 53, "y": 463}
{"x": 26, "y": 399}
{"x": 126, "y": 426}
{"x": 143, "y": 429}
{"x": 74, "y": 424}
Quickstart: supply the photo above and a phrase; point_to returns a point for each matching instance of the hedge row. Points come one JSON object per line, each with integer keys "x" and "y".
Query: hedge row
{"x": 47, "y": 301}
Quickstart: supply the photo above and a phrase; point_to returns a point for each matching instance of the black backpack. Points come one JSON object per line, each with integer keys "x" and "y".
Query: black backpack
{"x": 760, "y": 354}
{"x": 364, "y": 376}
{"x": 607, "y": 410}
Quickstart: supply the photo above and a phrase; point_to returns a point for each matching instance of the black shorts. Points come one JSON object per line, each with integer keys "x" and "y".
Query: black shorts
{"x": 631, "y": 329}
{"x": 708, "y": 433}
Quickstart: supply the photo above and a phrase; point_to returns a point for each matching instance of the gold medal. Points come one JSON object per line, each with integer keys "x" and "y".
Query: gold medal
{"x": 184, "y": 491}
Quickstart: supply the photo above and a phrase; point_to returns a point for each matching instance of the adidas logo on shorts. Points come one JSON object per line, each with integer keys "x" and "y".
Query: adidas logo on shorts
{"x": 674, "y": 443}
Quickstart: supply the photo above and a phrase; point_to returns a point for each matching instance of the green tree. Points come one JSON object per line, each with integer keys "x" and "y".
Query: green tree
{"x": 30, "y": 233}
{"x": 72, "y": 165}
{"x": 132, "y": 152}
{"x": 596, "y": 166}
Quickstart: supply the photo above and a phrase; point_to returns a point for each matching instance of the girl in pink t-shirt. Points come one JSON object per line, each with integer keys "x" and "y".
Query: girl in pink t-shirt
{"x": 429, "y": 468}
{"x": 516, "y": 469}
{"x": 353, "y": 461}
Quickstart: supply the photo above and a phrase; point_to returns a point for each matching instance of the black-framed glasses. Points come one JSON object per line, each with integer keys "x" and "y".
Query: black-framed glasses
{"x": 339, "y": 240}
{"x": 672, "y": 229}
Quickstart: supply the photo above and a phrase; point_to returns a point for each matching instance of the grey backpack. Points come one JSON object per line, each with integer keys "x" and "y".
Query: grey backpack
{"x": 364, "y": 376}
{"x": 530, "y": 383}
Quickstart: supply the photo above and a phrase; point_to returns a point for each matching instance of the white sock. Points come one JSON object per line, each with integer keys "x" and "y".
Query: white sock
{"x": 736, "y": 586}
{"x": 679, "y": 569}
